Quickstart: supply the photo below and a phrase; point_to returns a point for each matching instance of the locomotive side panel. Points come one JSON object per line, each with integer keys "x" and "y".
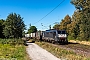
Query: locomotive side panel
{"x": 58, "y": 36}
{"x": 49, "y": 36}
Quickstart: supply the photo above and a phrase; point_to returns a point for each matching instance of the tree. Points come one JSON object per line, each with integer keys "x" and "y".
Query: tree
{"x": 82, "y": 19}
{"x": 1, "y": 28}
{"x": 73, "y": 28}
{"x": 32, "y": 29}
{"x": 65, "y": 22}
{"x": 81, "y": 4}
{"x": 56, "y": 26}
{"x": 14, "y": 26}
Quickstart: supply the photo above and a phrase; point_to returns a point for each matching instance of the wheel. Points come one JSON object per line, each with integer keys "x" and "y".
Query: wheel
{"x": 53, "y": 42}
{"x": 66, "y": 42}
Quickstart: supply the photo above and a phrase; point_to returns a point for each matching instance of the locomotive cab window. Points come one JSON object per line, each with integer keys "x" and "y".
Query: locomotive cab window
{"x": 63, "y": 32}
{"x": 59, "y": 32}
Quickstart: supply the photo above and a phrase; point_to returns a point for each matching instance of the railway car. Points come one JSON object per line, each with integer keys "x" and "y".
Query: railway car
{"x": 27, "y": 35}
{"x": 38, "y": 33}
{"x": 33, "y": 35}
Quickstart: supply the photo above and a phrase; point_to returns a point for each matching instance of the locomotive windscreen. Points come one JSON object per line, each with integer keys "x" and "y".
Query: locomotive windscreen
{"x": 61, "y": 32}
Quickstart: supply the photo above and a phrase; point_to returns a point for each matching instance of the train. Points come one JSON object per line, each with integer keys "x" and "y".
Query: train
{"x": 53, "y": 36}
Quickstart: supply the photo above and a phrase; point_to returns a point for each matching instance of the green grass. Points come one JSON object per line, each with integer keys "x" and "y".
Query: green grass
{"x": 13, "y": 48}
{"x": 61, "y": 53}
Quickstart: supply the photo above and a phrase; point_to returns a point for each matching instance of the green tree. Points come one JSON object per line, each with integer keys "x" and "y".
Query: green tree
{"x": 56, "y": 26}
{"x": 64, "y": 23}
{"x": 82, "y": 18}
{"x": 1, "y": 28}
{"x": 32, "y": 29}
{"x": 74, "y": 27}
{"x": 14, "y": 26}
{"x": 81, "y": 4}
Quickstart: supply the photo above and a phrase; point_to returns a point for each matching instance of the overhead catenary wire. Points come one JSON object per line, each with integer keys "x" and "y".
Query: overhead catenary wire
{"x": 51, "y": 23}
{"x": 50, "y": 11}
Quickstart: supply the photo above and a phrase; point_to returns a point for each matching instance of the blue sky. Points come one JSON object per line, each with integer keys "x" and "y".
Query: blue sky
{"x": 34, "y": 10}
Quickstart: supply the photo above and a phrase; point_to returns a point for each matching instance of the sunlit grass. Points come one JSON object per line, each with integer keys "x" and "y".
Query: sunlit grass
{"x": 10, "y": 48}
{"x": 80, "y": 42}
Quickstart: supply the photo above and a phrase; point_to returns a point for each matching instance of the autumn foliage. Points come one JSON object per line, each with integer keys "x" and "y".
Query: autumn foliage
{"x": 78, "y": 26}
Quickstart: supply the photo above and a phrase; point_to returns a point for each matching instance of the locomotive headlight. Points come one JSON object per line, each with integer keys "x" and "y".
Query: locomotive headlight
{"x": 65, "y": 35}
{"x": 62, "y": 35}
{"x": 59, "y": 35}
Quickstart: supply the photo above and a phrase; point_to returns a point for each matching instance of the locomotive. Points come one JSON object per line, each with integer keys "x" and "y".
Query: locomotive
{"x": 54, "y": 36}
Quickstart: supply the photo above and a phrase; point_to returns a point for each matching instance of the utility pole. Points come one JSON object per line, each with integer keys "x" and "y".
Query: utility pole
{"x": 50, "y": 27}
{"x": 30, "y": 24}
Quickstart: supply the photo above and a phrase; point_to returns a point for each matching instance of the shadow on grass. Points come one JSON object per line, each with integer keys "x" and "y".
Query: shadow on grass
{"x": 72, "y": 43}
{"x": 31, "y": 42}
{"x": 28, "y": 43}
{"x": 68, "y": 43}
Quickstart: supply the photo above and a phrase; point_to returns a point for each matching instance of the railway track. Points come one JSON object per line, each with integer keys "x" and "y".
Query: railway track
{"x": 78, "y": 48}
{"x": 75, "y": 47}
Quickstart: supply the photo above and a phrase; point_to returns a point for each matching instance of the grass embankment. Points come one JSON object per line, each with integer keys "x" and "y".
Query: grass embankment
{"x": 80, "y": 42}
{"x": 61, "y": 53}
{"x": 13, "y": 48}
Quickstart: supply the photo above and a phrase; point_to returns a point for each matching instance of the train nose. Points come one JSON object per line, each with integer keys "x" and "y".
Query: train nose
{"x": 62, "y": 38}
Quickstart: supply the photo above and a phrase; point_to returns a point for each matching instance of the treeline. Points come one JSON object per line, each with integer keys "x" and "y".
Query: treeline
{"x": 77, "y": 26}
{"x": 12, "y": 27}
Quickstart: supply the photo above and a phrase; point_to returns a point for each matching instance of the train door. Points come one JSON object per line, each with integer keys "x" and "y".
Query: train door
{"x": 55, "y": 35}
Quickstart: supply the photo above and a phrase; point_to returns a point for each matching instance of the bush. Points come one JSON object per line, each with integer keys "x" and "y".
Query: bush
{"x": 71, "y": 38}
{"x": 13, "y": 48}
{"x": 11, "y": 41}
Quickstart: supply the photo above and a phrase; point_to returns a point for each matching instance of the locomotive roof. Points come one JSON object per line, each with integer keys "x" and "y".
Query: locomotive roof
{"x": 53, "y": 30}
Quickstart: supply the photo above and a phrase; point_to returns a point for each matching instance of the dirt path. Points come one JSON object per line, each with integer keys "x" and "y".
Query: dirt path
{"x": 37, "y": 53}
